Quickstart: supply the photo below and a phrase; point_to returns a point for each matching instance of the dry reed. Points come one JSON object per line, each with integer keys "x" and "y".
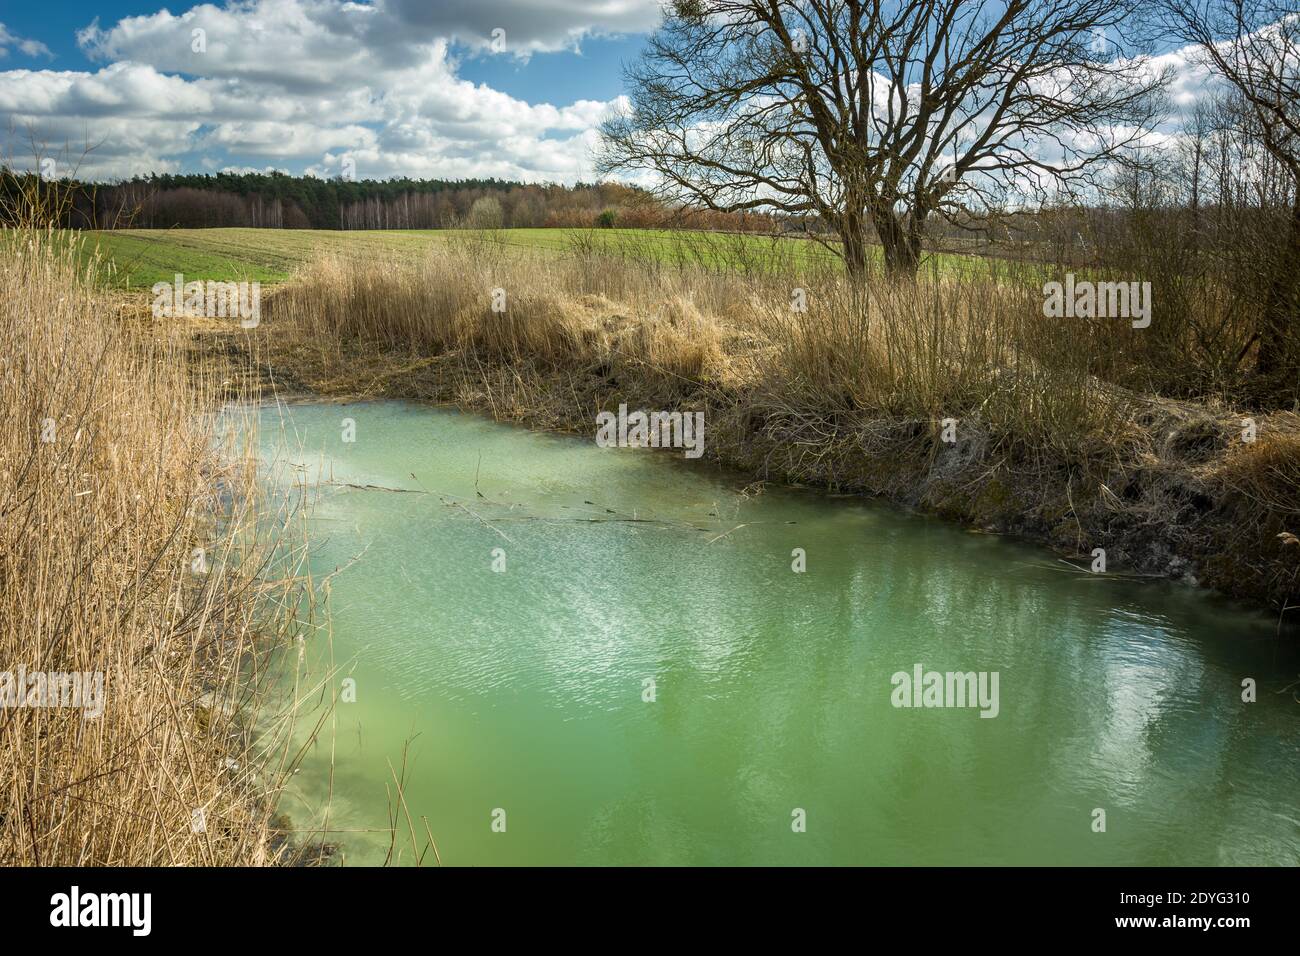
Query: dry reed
{"x": 130, "y": 548}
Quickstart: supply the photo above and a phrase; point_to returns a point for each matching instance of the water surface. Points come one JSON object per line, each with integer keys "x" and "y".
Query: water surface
{"x": 524, "y": 690}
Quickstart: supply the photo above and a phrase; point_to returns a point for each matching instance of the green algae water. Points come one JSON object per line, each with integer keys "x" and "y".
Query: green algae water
{"x": 606, "y": 656}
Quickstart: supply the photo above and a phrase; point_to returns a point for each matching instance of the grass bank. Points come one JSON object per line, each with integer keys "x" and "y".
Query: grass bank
{"x": 132, "y": 553}
{"x": 859, "y": 393}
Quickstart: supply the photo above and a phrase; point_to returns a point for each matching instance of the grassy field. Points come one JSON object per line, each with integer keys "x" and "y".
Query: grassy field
{"x": 145, "y": 256}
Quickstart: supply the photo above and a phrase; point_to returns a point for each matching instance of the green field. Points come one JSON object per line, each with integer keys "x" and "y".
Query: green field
{"x": 142, "y": 257}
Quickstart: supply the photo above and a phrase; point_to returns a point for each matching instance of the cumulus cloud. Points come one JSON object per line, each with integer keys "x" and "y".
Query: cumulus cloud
{"x": 303, "y": 83}
{"x": 387, "y": 31}
{"x": 527, "y": 27}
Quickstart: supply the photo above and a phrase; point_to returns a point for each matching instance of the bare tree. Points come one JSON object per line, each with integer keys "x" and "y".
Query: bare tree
{"x": 1198, "y": 127}
{"x": 486, "y": 213}
{"x": 874, "y": 114}
{"x": 1255, "y": 46}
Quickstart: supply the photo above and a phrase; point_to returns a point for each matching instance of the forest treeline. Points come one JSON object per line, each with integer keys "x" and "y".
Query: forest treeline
{"x": 279, "y": 201}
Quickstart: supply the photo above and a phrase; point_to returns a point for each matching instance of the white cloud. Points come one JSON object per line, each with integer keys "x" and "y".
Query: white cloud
{"x": 527, "y": 27}
{"x": 242, "y": 170}
{"x": 31, "y": 48}
{"x": 392, "y": 31}
{"x": 300, "y": 83}
{"x": 35, "y": 48}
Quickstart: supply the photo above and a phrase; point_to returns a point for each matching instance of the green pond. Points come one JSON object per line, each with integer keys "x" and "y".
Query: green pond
{"x": 586, "y": 655}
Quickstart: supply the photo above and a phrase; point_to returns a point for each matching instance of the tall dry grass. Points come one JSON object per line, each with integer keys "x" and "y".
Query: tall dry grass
{"x": 561, "y": 317}
{"x": 970, "y": 348}
{"x": 129, "y": 548}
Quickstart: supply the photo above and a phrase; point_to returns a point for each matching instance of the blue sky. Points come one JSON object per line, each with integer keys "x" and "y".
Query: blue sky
{"x": 594, "y": 72}
{"x": 513, "y": 89}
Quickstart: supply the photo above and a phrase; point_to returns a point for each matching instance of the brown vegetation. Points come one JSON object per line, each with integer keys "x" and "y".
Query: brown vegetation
{"x": 129, "y": 548}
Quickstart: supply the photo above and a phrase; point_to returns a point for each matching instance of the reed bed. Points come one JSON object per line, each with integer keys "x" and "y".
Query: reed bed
{"x": 131, "y": 548}
{"x": 949, "y": 348}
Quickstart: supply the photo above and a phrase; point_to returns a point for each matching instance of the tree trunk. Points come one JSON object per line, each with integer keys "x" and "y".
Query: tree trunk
{"x": 901, "y": 243}
{"x": 852, "y": 229}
